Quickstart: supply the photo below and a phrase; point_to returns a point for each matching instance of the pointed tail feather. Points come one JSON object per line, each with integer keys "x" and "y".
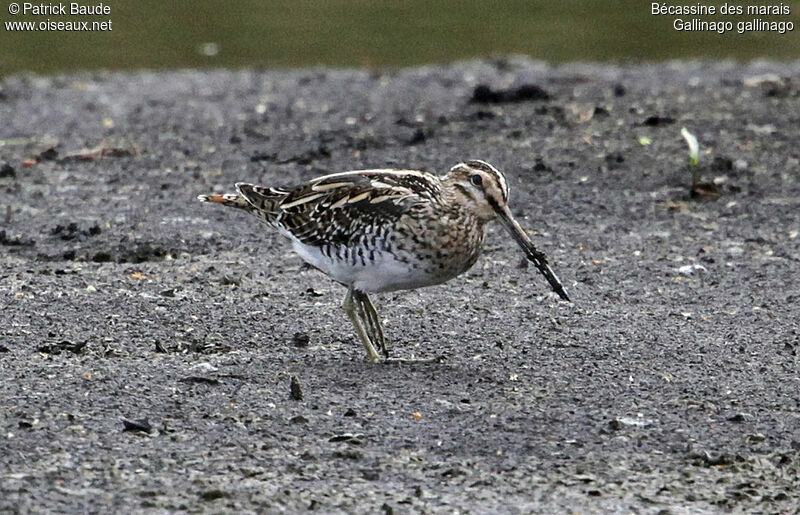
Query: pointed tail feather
{"x": 228, "y": 199}
{"x": 260, "y": 201}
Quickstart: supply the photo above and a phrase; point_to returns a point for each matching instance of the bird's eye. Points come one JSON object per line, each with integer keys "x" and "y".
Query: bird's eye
{"x": 476, "y": 179}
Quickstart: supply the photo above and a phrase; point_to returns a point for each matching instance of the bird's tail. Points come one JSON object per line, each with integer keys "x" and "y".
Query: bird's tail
{"x": 260, "y": 201}
{"x": 228, "y": 199}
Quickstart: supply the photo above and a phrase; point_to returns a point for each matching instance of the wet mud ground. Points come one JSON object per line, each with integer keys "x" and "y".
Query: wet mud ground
{"x": 148, "y": 341}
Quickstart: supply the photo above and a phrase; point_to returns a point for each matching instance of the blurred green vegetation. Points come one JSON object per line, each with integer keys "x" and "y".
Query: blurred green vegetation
{"x": 375, "y": 33}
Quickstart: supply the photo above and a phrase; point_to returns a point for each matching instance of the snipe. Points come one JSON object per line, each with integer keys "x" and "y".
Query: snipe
{"x": 385, "y": 230}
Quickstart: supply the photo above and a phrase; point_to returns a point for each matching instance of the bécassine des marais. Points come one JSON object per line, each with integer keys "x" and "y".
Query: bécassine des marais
{"x": 724, "y": 9}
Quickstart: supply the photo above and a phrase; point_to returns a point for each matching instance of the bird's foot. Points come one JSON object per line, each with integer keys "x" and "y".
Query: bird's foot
{"x": 411, "y": 361}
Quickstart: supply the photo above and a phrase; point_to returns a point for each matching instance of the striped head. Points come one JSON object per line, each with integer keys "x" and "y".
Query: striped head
{"x": 484, "y": 190}
{"x": 480, "y": 186}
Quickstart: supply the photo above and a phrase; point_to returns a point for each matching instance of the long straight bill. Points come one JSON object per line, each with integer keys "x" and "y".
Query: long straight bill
{"x": 538, "y": 258}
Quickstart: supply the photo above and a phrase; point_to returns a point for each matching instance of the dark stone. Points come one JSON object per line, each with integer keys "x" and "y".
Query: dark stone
{"x": 658, "y": 121}
{"x": 140, "y": 425}
{"x": 370, "y": 475}
{"x": 483, "y": 94}
{"x": 102, "y": 257}
{"x": 200, "y": 380}
{"x": 301, "y": 340}
{"x": 213, "y": 495}
{"x": 418, "y": 137}
{"x": 739, "y": 417}
{"x": 601, "y": 112}
{"x": 6, "y": 170}
{"x": 295, "y": 393}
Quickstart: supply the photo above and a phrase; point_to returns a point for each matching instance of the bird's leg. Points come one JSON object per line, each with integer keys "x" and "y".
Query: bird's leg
{"x": 365, "y": 319}
{"x": 373, "y": 321}
{"x": 375, "y": 329}
{"x": 352, "y": 309}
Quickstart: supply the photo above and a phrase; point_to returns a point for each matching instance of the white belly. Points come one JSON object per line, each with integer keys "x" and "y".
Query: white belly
{"x": 383, "y": 272}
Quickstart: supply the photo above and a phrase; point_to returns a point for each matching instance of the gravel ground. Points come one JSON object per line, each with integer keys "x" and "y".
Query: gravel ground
{"x": 148, "y": 341}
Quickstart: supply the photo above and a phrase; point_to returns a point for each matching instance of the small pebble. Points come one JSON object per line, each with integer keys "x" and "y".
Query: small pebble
{"x": 141, "y": 425}
{"x": 296, "y": 394}
{"x": 300, "y": 340}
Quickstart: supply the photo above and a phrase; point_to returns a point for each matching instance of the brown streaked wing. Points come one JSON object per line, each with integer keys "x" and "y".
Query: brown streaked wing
{"x": 337, "y": 215}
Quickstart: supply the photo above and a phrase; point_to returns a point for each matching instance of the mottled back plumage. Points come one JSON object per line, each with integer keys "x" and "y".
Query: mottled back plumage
{"x": 326, "y": 209}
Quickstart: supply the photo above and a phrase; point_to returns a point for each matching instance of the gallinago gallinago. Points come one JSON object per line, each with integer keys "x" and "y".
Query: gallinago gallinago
{"x": 384, "y": 230}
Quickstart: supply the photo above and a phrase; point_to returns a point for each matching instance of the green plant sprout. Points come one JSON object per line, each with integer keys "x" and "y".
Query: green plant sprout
{"x": 694, "y": 155}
